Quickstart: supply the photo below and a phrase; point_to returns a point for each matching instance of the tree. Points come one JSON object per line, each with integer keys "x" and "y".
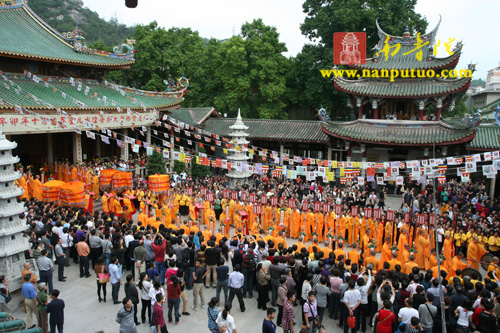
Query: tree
{"x": 156, "y": 164}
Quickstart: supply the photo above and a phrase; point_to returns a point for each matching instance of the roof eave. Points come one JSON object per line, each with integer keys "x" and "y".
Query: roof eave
{"x": 125, "y": 65}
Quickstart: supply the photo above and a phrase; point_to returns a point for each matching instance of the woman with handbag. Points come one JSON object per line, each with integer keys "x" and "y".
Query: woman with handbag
{"x": 102, "y": 278}
{"x": 144, "y": 286}
{"x": 212, "y": 313}
{"x": 310, "y": 309}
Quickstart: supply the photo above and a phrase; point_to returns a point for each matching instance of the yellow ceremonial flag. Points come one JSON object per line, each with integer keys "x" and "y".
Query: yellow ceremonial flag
{"x": 330, "y": 176}
{"x": 225, "y": 151}
{"x": 251, "y": 151}
{"x": 358, "y": 165}
{"x": 334, "y": 164}
{"x": 342, "y": 172}
{"x": 197, "y": 160}
{"x": 182, "y": 158}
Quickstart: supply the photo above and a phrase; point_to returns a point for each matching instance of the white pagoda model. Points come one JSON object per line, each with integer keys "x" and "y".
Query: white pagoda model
{"x": 12, "y": 242}
{"x": 238, "y": 155}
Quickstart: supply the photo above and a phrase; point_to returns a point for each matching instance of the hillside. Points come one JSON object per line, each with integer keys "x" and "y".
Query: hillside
{"x": 65, "y": 15}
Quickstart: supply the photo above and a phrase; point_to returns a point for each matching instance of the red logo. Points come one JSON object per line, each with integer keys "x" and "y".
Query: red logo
{"x": 349, "y": 48}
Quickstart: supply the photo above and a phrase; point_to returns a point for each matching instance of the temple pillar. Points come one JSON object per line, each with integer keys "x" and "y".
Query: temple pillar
{"x": 376, "y": 113}
{"x": 329, "y": 152}
{"x": 77, "y": 148}
{"x": 148, "y": 135}
{"x": 124, "y": 154}
{"x": 438, "y": 114}
{"x": 363, "y": 158}
{"x": 50, "y": 149}
{"x": 360, "y": 112}
{"x": 348, "y": 150}
{"x": 492, "y": 187}
{"x": 282, "y": 151}
{"x": 421, "y": 114}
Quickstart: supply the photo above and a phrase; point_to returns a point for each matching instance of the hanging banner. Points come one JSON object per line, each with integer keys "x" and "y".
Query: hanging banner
{"x": 282, "y": 201}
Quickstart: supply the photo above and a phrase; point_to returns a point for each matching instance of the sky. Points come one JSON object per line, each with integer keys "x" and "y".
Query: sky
{"x": 473, "y": 23}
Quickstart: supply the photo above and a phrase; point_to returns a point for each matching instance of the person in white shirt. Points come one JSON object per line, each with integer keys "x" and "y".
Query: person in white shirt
{"x": 363, "y": 307}
{"x": 352, "y": 300}
{"x": 226, "y": 318}
{"x": 405, "y": 314}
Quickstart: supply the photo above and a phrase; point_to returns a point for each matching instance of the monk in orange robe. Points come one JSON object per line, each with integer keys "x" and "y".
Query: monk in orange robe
{"x": 340, "y": 251}
{"x": 353, "y": 254}
{"x": 350, "y": 231}
{"x": 342, "y": 226}
{"x": 357, "y": 227}
{"x": 421, "y": 243}
{"x": 401, "y": 244}
{"x": 475, "y": 251}
{"x": 364, "y": 227}
{"x": 310, "y": 224}
{"x": 447, "y": 251}
{"x": 365, "y": 244}
{"x": 104, "y": 202}
{"x": 386, "y": 253}
{"x": 89, "y": 203}
{"x": 456, "y": 263}
{"x": 38, "y": 189}
{"x": 74, "y": 173}
{"x": 24, "y": 184}
{"x": 143, "y": 218}
{"x": 296, "y": 222}
{"x": 379, "y": 228}
{"x": 320, "y": 226}
{"x": 94, "y": 185}
{"x": 268, "y": 216}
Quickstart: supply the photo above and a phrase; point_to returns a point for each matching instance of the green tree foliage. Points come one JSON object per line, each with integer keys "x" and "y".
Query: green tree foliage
{"x": 156, "y": 164}
{"x": 65, "y": 15}
{"x": 200, "y": 171}
{"x": 478, "y": 83}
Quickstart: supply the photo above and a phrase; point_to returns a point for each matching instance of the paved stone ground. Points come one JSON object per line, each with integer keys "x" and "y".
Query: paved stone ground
{"x": 83, "y": 312}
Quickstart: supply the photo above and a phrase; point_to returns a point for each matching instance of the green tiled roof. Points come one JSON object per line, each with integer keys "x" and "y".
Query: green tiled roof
{"x": 486, "y": 137}
{"x": 399, "y": 132}
{"x": 271, "y": 129}
{"x": 402, "y": 88}
{"x": 193, "y": 116}
{"x": 23, "y": 35}
{"x": 29, "y": 88}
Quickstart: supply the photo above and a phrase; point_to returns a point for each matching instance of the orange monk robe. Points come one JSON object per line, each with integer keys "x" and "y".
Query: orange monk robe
{"x": 38, "y": 189}
{"x": 155, "y": 224}
{"x": 249, "y": 220}
{"x": 300, "y": 246}
{"x": 231, "y": 211}
{"x": 494, "y": 268}
{"x": 342, "y": 225}
{"x": 89, "y": 204}
{"x": 386, "y": 255}
{"x": 157, "y": 209}
{"x": 74, "y": 173}
{"x": 362, "y": 230}
{"x": 66, "y": 174}
{"x": 408, "y": 267}
{"x": 435, "y": 271}
{"x": 380, "y": 235}
{"x": 59, "y": 175}
{"x": 295, "y": 227}
{"x": 447, "y": 252}
{"x": 117, "y": 207}
{"x": 303, "y": 222}
{"x": 393, "y": 263}
{"x": 332, "y": 221}
{"x": 310, "y": 247}
{"x": 206, "y": 234}
{"x": 320, "y": 226}
{"x": 401, "y": 246}
{"x": 94, "y": 185}
{"x": 372, "y": 260}
{"x": 288, "y": 220}
{"x": 475, "y": 252}
{"x": 192, "y": 211}
{"x": 206, "y": 212}
{"x": 388, "y": 232}
{"x": 218, "y": 237}
{"x": 354, "y": 256}
{"x": 254, "y": 230}
{"x": 427, "y": 252}
{"x": 326, "y": 252}
{"x": 421, "y": 243}
{"x": 165, "y": 214}
{"x": 405, "y": 256}
{"x": 105, "y": 204}
{"x": 194, "y": 229}
{"x": 185, "y": 228}
{"x": 340, "y": 252}
{"x": 237, "y": 221}
{"x": 143, "y": 219}
{"x": 366, "y": 246}
{"x": 152, "y": 221}
{"x": 350, "y": 231}
{"x": 357, "y": 227}
{"x": 128, "y": 203}
{"x": 310, "y": 225}
{"x": 22, "y": 183}
{"x": 456, "y": 263}
{"x": 30, "y": 186}
{"x": 171, "y": 226}
{"x": 268, "y": 213}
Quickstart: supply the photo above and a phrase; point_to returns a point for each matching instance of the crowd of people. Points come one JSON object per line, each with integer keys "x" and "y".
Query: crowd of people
{"x": 343, "y": 267}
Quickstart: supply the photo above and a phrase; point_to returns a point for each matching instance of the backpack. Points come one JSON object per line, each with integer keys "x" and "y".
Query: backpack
{"x": 249, "y": 262}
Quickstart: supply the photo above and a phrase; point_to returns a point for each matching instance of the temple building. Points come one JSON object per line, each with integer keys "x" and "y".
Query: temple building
{"x": 53, "y": 89}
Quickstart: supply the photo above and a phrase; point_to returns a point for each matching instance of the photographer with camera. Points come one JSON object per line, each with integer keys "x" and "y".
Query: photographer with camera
{"x": 159, "y": 245}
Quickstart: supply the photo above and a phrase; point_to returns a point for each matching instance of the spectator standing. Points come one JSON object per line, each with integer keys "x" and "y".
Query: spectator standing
{"x": 426, "y": 313}
{"x": 125, "y": 317}
{"x": 83, "y": 255}
{"x": 212, "y": 256}
{"x": 267, "y": 325}
{"x": 236, "y": 283}
{"x": 198, "y": 276}
{"x": 352, "y": 300}
{"x": 115, "y": 277}
{"x": 174, "y": 298}
{"x": 144, "y": 287}
{"x": 385, "y": 318}
{"x": 29, "y": 292}
{"x": 226, "y": 318}
{"x": 42, "y": 301}
{"x": 288, "y": 313}
{"x": 56, "y": 310}
{"x": 4, "y": 292}
{"x": 131, "y": 292}
{"x": 60, "y": 260}
{"x": 102, "y": 282}
{"x": 282, "y": 297}
{"x": 222, "y": 279}
{"x": 212, "y": 314}
{"x": 262, "y": 286}
{"x": 159, "y": 245}
{"x": 310, "y": 310}
{"x": 45, "y": 267}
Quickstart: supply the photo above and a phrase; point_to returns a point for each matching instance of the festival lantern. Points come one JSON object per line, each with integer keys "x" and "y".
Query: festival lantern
{"x": 257, "y": 209}
{"x": 50, "y": 190}
{"x": 121, "y": 180}
{"x": 189, "y": 191}
{"x": 203, "y": 191}
{"x": 407, "y": 217}
{"x": 263, "y": 199}
{"x": 253, "y": 197}
{"x": 326, "y": 207}
{"x": 317, "y": 206}
{"x": 159, "y": 183}
{"x": 105, "y": 178}
{"x": 210, "y": 197}
{"x": 390, "y": 215}
{"x": 421, "y": 219}
{"x": 225, "y": 194}
{"x": 305, "y": 206}
{"x": 377, "y": 213}
{"x": 291, "y": 203}
{"x": 72, "y": 194}
{"x": 234, "y": 195}
{"x": 338, "y": 209}
{"x": 274, "y": 201}
{"x": 368, "y": 213}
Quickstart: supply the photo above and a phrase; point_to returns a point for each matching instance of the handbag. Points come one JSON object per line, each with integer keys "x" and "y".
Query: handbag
{"x": 153, "y": 329}
{"x": 316, "y": 319}
{"x": 7, "y": 297}
{"x": 351, "y": 322}
{"x": 103, "y": 277}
